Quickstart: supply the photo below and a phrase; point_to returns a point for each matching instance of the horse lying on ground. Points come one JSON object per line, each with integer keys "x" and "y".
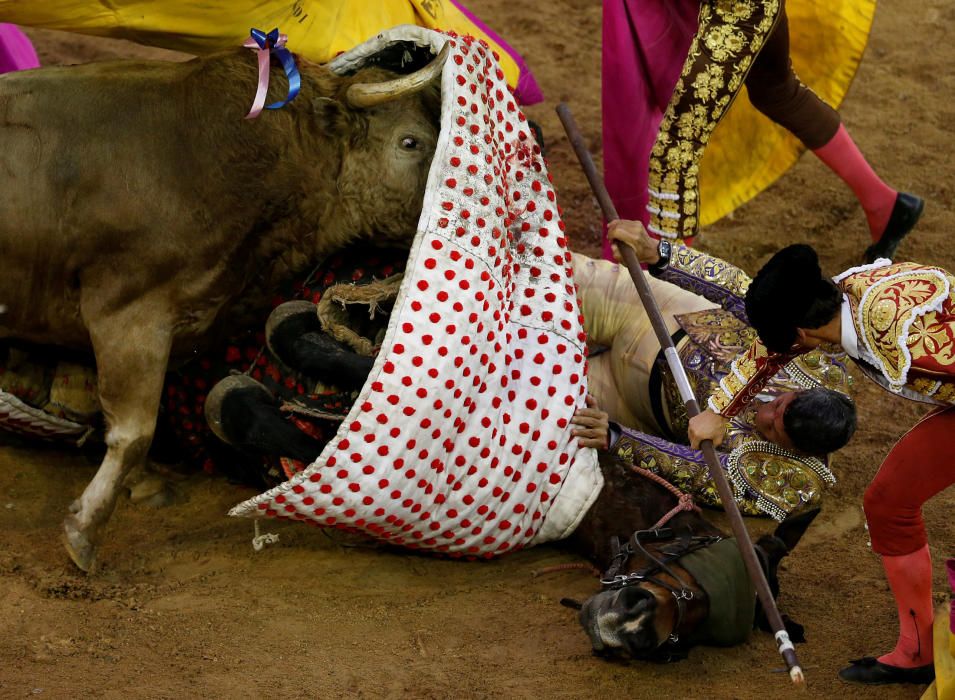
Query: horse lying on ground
{"x": 667, "y": 589}
{"x": 141, "y": 211}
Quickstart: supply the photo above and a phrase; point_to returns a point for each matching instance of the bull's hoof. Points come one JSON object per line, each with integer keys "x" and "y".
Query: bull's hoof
{"x": 80, "y": 549}
{"x": 153, "y": 491}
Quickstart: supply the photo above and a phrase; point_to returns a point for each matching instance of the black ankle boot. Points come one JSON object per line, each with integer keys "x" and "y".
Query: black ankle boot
{"x": 905, "y": 214}
{"x": 871, "y": 671}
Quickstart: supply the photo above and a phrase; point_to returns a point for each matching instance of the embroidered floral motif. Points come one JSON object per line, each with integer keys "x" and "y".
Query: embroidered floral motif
{"x": 931, "y": 337}
{"x": 886, "y": 302}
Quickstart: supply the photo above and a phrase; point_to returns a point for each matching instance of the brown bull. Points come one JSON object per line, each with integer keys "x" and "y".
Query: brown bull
{"x": 138, "y": 208}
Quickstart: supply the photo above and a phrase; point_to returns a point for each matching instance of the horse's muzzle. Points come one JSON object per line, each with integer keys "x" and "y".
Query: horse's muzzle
{"x": 621, "y": 620}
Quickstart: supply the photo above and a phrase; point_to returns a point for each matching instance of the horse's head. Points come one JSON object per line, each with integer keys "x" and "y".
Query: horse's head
{"x": 660, "y": 597}
{"x": 649, "y": 598}
{"x": 634, "y": 619}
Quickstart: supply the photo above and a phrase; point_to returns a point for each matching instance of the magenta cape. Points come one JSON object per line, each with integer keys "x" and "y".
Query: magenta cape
{"x": 645, "y": 43}
{"x": 16, "y": 51}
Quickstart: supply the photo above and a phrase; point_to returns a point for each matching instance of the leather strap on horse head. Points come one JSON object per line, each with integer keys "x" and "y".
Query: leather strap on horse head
{"x": 686, "y": 545}
{"x": 785, "y": 646}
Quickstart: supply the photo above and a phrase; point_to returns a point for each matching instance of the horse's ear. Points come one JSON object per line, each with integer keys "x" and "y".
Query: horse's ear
{"x": 791, "y": 530}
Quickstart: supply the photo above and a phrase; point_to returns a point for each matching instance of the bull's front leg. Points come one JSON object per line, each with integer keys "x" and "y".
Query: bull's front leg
{"x": 132, "y": 347}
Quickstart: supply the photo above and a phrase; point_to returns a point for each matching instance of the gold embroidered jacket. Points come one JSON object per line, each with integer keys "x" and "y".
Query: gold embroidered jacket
{"x": 903, "y": 318}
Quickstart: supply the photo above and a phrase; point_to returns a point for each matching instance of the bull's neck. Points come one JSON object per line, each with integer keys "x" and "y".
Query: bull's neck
{"x": 283, "y": 166}
{"x": 282, "y": 156}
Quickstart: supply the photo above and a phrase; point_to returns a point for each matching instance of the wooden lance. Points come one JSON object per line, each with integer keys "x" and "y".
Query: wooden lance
{"x": 745, "y": 543}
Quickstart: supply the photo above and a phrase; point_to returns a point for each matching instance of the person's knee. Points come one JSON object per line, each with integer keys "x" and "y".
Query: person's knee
{"x": 774, "y": 96}
{"x": 877, "y": 502}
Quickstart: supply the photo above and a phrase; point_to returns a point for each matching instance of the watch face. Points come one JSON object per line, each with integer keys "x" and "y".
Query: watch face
{"x": 663, "y": 250}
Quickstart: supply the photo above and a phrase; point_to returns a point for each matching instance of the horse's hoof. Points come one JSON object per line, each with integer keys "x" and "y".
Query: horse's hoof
{"x": 286, "y": 324}
{"x": 80, "y": 549}
{"x": 217, "y": 397}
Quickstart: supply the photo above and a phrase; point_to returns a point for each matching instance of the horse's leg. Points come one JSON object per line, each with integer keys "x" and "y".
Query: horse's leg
{"x": 244, "y": 414}
{"x": 131, "y": 345}
{"x": 295, "y": 336}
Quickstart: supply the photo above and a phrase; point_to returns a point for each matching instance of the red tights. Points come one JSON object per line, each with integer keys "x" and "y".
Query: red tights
{"x": 920, "y": 465}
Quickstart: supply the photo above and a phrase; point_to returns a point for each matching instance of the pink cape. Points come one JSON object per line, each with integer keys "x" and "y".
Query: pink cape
{"x": 645, "y": 43}
{"x": 16, "y": 51}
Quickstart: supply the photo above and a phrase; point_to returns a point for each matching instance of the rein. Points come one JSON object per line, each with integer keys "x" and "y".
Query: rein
{"x": 614, "y": 580}
{"x": 684, "y": 500}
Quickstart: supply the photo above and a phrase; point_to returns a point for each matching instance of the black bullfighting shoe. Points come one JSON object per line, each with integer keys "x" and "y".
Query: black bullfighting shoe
{"x": 905, "y": 214}
{"x": 871, "y": 671}
{"x": 294, "y": 335}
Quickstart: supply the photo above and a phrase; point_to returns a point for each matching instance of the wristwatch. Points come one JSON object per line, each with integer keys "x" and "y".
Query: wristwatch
{"x": 663, "y": 250}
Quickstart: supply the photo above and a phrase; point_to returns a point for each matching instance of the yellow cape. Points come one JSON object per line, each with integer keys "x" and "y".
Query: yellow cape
{"x": 317, "y": 29}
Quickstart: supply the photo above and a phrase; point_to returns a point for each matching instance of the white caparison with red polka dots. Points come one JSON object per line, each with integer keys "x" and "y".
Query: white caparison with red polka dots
{"x": 459, "y": 442}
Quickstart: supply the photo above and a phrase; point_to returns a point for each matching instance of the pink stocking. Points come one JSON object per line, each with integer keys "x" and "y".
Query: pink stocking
{"x": 910, "y": 577}
{"x": 844, "y": 158}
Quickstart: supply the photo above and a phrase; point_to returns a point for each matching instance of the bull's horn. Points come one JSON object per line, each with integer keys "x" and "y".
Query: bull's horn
{"x": 361, "y": 95}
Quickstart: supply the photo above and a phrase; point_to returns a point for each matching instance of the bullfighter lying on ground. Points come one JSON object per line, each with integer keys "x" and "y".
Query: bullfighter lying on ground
{"x": 897, "y": 322}
{"x": 772, "y": 470}
{"x": 772, "y": 467}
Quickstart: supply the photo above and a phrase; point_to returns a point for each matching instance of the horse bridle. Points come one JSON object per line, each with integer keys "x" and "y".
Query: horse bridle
{"x": 613, "y": 580}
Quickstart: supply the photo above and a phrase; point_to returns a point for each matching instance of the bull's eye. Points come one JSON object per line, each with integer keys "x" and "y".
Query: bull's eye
{"x": 409, "y": 142}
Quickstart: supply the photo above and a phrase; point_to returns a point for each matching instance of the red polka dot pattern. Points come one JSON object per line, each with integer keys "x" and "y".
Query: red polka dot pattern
{"x": 459, "y": 441}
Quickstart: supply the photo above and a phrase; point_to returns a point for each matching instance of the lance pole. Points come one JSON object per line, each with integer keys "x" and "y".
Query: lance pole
{"x": 745, "y": 543}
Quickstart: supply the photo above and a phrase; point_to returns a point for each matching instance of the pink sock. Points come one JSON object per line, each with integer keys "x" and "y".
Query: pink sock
{"x": 844, "y": 158}
{"x": 910, "y": 577}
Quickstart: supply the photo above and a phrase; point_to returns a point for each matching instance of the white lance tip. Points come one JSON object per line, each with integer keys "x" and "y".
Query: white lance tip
{"x": 796, "y": 675}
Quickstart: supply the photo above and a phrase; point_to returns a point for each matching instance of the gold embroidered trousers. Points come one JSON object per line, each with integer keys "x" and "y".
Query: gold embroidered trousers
{"x": 737, "y": 42}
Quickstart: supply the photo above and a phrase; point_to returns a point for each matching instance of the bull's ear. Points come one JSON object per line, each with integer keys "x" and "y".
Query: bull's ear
{"x": 791, "y": 530}
{"x": 332, "y": 115}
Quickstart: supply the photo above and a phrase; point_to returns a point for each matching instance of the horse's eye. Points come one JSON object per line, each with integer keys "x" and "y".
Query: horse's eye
{"x": 409, "y": 142}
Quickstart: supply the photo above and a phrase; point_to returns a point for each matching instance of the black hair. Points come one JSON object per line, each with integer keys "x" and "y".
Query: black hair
{"x": 788, "y": 293}
{"x": 819, "y": 421}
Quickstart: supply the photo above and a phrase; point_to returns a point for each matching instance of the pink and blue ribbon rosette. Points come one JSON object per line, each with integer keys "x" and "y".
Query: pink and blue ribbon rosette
{"x": 266, "y": 46}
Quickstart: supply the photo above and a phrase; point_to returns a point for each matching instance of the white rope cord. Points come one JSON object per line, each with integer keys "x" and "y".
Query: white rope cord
{"x": 259, "y": 541}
